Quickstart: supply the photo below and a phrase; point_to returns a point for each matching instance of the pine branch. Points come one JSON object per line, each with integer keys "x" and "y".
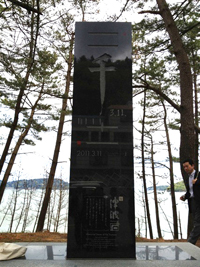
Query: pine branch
{"x": 146, "y": 86}
{"x": 190, "y": 28}
{"x": 159, "y": 92}
{"x": 149, "y": 12}
{"x": 25, "y": 6}
{"x": 123, "y": 9}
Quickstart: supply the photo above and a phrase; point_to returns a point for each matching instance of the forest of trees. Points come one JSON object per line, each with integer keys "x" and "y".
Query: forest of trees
{"x": 36, "y": 81}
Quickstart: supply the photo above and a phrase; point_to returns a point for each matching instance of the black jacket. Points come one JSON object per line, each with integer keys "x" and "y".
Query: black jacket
{"x": 196, "y": 188}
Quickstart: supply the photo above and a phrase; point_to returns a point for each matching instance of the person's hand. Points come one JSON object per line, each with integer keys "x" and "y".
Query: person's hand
{"x": 194, "y": 181}
{"x": 182, "y": 198}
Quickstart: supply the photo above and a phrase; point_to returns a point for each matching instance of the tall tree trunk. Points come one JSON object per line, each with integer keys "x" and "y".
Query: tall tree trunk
{"x": 195, "y": 73}
{"x": 187, "y": 144}
{"x": 143, "y": 170}
{"x": 186, "y": 109}
{"x": 155, "y": 190}
{"x": 46, "y": 200}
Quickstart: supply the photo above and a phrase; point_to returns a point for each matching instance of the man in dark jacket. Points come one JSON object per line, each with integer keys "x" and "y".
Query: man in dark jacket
{"x": 193, "y": 196}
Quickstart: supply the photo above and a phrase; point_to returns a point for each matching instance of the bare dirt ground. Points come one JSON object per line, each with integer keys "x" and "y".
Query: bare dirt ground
{"x": 58, "y": 237}
{"x": 33, "y": 237}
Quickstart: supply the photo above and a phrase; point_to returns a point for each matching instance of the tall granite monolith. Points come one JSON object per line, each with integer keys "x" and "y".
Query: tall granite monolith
{"x": 101, "y": 222}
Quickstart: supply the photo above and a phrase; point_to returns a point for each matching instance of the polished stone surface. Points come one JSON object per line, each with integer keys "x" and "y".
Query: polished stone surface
{"x": 161, "y": 253}
{"x": 40, "y": 254}
{"x": 143, "y": 252}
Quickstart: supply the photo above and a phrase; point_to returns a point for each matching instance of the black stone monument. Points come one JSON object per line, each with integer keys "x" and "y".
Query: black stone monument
{"x": 101, "y": 197}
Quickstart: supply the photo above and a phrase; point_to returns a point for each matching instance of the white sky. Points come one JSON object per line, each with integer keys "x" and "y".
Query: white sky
{"x": 33, "y": 164}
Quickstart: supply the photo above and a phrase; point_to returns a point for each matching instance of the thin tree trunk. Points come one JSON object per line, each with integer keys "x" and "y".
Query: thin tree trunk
{"x": 155, "y": 190}
{"x": 66, "y": 211}
{"x": 14, "y": 206}
{"x": 143, "y": 170}
{"x": 145, "y": 217}
{"x": 166, "y": 217}
{"x": 52, "y": 210}
{"x": 8, "y": 208}
{"x": 27, "y": 208}
{"x": 48, "y": 216}
{"x": 59, "y": 208}
{"x": 171, "y": 173}
{"x": 139, "y": 228}
{"x": 180, "y": 228}
{"x": 22, "y": 212}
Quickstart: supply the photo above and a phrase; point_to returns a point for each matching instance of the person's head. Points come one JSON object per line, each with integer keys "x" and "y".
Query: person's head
{"x": 188, "y": 166}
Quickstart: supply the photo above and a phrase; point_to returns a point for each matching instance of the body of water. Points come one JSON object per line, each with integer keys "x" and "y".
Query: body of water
{"x": 26, "y": 204}
{"x": 165, "y": 214}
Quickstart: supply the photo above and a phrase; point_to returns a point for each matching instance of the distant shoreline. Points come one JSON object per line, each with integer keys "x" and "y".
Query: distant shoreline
{"x": 36, "y": 184}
